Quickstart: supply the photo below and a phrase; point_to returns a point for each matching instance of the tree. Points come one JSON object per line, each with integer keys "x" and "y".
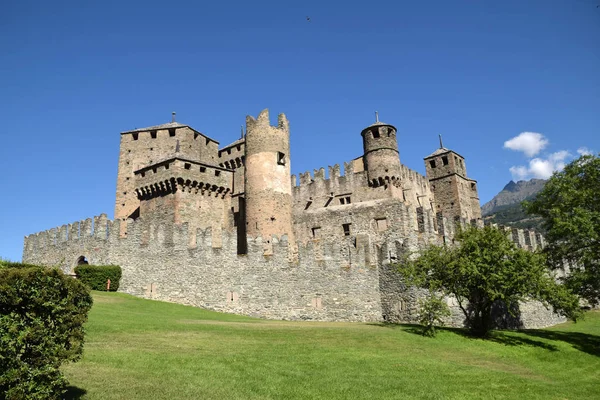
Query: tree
{"x": 485, "y": 269}
{"x": 570, "y": 207}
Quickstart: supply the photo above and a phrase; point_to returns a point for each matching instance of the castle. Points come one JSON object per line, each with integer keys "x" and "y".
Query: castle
{"x": 230, "y": 229}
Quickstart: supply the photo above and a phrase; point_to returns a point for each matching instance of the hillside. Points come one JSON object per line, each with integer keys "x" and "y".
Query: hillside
{"x": 505, "y": 208}
{"x": 144, "y": 349}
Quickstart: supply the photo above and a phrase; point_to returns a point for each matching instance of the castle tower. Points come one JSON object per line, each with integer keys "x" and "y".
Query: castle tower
{"x": 381, "y": 156}
{"x": 454, "y": 193}
{"x": 268, "y": 187}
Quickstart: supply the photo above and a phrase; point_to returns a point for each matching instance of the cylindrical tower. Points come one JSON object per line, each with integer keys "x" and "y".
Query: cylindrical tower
{"x": 268, "y": 186}
{"x": 381, "y": 156}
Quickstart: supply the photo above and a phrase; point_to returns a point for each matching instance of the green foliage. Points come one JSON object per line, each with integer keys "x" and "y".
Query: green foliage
{"x": 514, "y": 215}
{"x": 487, "y": 268}
{"x": 432, "y": 310}
{"x": 570, "y": 207}
{"x": 96, "y": 276}
{"x": 42, "y": 312}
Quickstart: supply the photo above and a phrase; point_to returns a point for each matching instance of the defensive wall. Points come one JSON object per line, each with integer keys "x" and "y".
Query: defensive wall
{"x": 330, "y": 280}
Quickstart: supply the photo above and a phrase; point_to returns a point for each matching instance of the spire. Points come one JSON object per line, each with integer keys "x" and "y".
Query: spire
{"x": 173, "y": 116}
{"x": 376, "y": 116}
{"x": 441, "y": 144}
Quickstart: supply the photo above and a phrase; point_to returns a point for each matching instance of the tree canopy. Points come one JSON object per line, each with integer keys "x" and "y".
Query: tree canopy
{"x": 487, "y": 269}
{"x": 570, "y": 207}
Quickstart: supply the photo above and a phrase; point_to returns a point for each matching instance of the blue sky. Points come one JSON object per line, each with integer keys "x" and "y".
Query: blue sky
{"x": 73, "y": 75}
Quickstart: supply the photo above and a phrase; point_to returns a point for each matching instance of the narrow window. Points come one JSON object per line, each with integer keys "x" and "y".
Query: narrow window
{"x": 342, "y": 200}
{"x": 196, "y": 135}
{"x": 153, "y": 134}
{"x": 207, "y": 141}
{"x": 348, "y": 200}
{"x": 472, "y": 186}
{"x": 346, "y": 228}
{"x": 432, "y": 163}
{"x": 166, "y": 166}
{"x": 154, "y": 169}
{"x": 151, "y": 148}
{"x": 172, "y": 132}
{"x": 461, "y": 163}
{"x": 445, "y": 160}
{"x": 376, "y": 134}
{"x": 229, "y": 151}
{"x": 202, "y": 169}
{"x": 135, "y": 136}
{"x": 316, "y": 232}
{"x": 187, "y": 166}
{"x": 143, "y": 174}
{"x": 280, "y": 158}
{"x": 217, "y": 172}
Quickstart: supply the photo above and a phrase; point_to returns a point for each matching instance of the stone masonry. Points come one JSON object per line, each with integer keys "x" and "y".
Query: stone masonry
{"x": 230, "y": 229}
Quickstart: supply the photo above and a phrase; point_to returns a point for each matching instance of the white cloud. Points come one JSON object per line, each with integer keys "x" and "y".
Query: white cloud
{"x": 584, "y": 151}
{"x": 541, "y": 168}
{"x": 530, "y": 143}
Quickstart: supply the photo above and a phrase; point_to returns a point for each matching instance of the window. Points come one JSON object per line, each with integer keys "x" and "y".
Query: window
{"x": 154, "y": 169}
{"x": 316, "y": 232}
{"x": 381, "y": 224}
{"x": 153, "y": 134}
{"x": 342, "y": 200}
{"x": 445, "y": 160}
{"x": 202, "y": 169}
{"x": 472, "y": 186}
{"x": 217, "y": 172}
{"x": 187, "y": 166}
{"x": 346, "y": 228}
{"x": 348, "y": 200}
{"x": 432, "y": 163}
{"x": 172, "y": 132}
{"x": 166, "y": 166}
{"x": 135, "y": 136}
{"x": 280, "y": 158}
{"x": 376, "y": 134}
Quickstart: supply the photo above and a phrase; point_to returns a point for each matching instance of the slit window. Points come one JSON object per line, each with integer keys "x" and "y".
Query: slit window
{"x": 346, "y": 228}
{"x": 445, "y": 160}
{"x": 172, "y": 132}
{"x": 342, "y": 200}
{"x": 376, "y": 134}
{"x": 187, "y": 166}
{"x": 135, "y": 136}
{"x": 280, "y": 158}
{"x": 207, "y": 141}
{"x": 153, "y": 134}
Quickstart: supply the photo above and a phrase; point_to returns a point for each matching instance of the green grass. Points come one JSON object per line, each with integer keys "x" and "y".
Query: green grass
{"x": 141, "y": 349}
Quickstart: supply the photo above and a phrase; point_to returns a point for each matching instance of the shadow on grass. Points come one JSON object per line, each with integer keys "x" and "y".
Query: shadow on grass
{"x": 584, "y": 342}
{"x": 74, "y": 393}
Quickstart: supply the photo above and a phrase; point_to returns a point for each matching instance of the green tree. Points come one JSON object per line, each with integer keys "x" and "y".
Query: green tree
{"x": 485, "y": 269}
{"x": 570, "y": 207}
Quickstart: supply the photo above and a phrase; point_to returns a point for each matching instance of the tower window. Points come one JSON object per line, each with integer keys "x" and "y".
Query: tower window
{"x": 376, "y": 134}
{"x": 172, "y": 132}
{"x": 432, "y": 163}
{"x": 202, "y": 169}
{"x": 217, "y": 173}
{"x": 472, "y": 186}
{"x": 381, "y": 224}
{"x": 342, "y": 200}
{"x": 348, "y": 200}
{"x": 316, "y": 232}
{"x": 445, "y": 160}
{"x": 280, "y": 158}
{"x": 187, "y": 166}
{"x": 135, "y": 136}
{"x": 346, "y": 228}
{"x": 153, "y": 134}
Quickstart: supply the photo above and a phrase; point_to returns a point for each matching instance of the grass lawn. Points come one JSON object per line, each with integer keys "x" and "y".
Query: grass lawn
{"x": 142, "y": 349}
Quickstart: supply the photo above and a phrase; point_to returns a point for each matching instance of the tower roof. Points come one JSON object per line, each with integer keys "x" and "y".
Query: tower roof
{"x": 157, "y": 127}
{"x": 442, "y": 150}
{"x": 378, "y": 123}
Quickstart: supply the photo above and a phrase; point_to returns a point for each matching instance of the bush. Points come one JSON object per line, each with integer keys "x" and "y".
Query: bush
{"x": 42, "y": 312}
{"x": 432, "y": 310}
{"x": 95, "y": 276}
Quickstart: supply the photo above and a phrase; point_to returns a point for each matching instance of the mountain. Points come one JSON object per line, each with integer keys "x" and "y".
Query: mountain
{"x": 505, "y": 208}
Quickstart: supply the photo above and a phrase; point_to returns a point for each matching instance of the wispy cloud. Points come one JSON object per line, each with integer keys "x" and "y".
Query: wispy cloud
{"x": 530, "y": 143}
{"x": 584, "y": 151}
{"x": 541, "y": 168}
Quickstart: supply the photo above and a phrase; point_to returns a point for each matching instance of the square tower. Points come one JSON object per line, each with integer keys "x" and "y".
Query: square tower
{"x": 454, "y": 193}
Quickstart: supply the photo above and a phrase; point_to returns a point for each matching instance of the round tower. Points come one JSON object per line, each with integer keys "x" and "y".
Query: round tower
{"x": 381, "y": 156}
{"x": 268, "y": 185}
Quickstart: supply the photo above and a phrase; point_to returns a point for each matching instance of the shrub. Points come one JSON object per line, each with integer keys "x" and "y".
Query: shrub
{"x": 42, "y": 312}
{"x": 432, "y": 310}
{"x": 95, "y": 276}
